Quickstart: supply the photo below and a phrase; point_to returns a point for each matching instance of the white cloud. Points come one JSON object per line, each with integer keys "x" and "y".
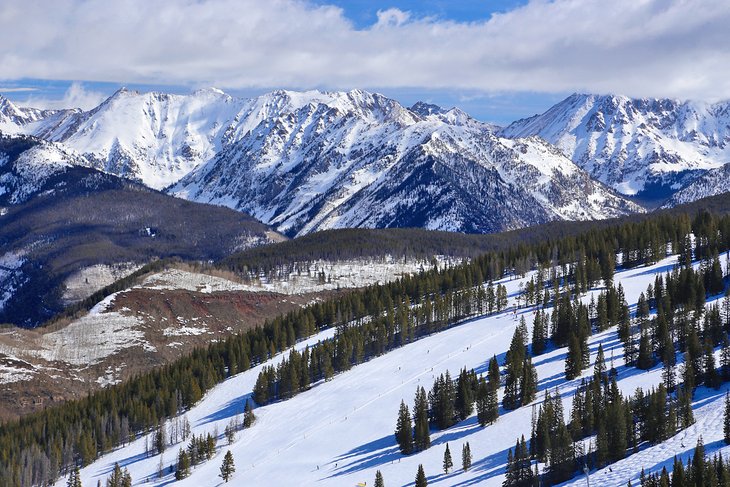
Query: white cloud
{"x": 76, "y": 96}
{"x": 392, "y": 17}
{"x": 674, "y": 48}
{"x": 16, "y": 89}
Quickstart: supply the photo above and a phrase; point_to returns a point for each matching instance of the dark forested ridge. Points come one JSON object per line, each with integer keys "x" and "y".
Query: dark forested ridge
{"x": 55, "y": 440}
{"x": 419, "y": 243}
{"x": 84, "y": 217}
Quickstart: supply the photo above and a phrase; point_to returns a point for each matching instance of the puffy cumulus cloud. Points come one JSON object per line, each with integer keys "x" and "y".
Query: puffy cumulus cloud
{"x": 76, "y": 96}
{"x": 676, "y": 48}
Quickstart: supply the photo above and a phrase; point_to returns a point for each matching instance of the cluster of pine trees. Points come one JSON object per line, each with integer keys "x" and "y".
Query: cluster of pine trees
{"x": 54, "y": 441}
{"x": 448, "y": 402}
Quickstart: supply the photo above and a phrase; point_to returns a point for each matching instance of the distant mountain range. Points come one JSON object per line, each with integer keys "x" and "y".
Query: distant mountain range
{"x": 642, "y": 147}
{"x": 304, "y": 161}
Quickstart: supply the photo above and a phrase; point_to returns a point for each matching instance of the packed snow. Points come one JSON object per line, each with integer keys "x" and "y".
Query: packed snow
{"x": 340, "y": 432}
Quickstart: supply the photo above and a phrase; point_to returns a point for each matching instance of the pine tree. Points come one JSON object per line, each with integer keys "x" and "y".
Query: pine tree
{"x": 379, "y": 482}
{"x": 493, "y": 373}
{"x": 574, "y": 359}
{"x": 448, "y": 462}
{"x": 422, "y": 437}
{"x": 528, "y": 384}
{"x": 183, "y": 465}
{"x": 599, "y": 369}
{"x": 464, "y": 403}
{"x": 466, "y": 457}
{"x": 646, "y": 359}
{"x": 74, "y": 478}
{"x": 421, "y": 480}
{"x": 119, "y": 477}
{"x": 482, "y": 396}
{"x": 160, "y": 438}
{"x": 248, "y": 416}
{"x": 227, "y": 467}
{"x": 539, "y": 335}
{"x": 404, "y": 430}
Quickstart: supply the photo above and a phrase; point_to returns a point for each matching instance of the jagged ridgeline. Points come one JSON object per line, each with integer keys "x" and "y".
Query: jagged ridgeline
{"x": 42, "y": 446}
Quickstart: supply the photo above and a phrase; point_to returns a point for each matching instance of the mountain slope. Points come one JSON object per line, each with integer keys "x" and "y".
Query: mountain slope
{"x": 80, "y": 218}
{"x": 332, "y": 160}
{"x": 644, "y": 147}
{"x": 154, "y": 138}
{"x": 341, "y": 431}
{"x": 26, "y": 163}
{"x": 713, "y": 182}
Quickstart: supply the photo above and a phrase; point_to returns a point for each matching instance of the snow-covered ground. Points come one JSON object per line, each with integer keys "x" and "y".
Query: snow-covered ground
{"x": 337, "y": 275}
{"x": 340, "y": 432}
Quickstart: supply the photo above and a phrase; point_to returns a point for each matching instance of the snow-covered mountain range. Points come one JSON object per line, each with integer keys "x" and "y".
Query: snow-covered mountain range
{"x": 332, "y": 160}
{"x": 644, "y": 147}
{"x": 307, "y": 161}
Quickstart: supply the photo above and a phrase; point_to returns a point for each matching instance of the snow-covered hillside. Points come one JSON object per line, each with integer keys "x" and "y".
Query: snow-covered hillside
{"x": 711, "y": 183}
{"x": 27, "y": 164}
{"x": 340, "y": 432}
{"x": 334, "y": 160}
{"x": 635, "y": 145}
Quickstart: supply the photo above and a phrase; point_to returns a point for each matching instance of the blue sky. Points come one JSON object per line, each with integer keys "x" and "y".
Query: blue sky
{"x": 364, "y": 12}
{"x": 498, "y": 60}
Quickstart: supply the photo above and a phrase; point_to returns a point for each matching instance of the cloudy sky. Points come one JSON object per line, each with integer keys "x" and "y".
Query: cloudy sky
{"x": 498, "y": 59}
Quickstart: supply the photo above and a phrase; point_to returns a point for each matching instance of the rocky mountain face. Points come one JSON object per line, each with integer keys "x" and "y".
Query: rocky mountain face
{"x": 649, "y": 148}
{"x": 332, "y": 160}
{"x": 711, "y": 183}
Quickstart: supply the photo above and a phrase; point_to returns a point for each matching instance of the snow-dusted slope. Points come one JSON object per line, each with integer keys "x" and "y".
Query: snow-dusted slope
{"x": 635, "y": 145}
{"x": 340, "y": 432}
{"x": 313, "y": 161}
{"x": 155, "y": 138}
{"x": 13, "y": 118}
{"x": 713, "y": 182}
{"x": 26, "y": 164}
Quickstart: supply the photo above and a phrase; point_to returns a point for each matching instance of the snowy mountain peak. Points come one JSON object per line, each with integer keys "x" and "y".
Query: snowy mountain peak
{"x": 646, "y": 147}
{"x": 425, "y": 109}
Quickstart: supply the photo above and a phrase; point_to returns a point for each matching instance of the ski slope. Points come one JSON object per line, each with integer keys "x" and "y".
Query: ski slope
{"x": 340, "y": 432}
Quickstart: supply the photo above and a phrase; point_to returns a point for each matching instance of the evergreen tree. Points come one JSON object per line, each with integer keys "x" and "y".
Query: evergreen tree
{"x": 404, "y": 430}
{"x": 646, "y": 359}
{"x": 379, "y": 482}
{"x": 248, "y": 416}
{"x": 183, "y": 465}
{"x": 227, "y": 467}
{"x": 464, "y": 402}
{"x": 160, "y": 438}
{"x": 519, "y": 466}
{"x": 448, "y": 462}
{"x": 574, "y": 358}
{"x": 539, "y": 334}
{"x": 119, "y": 477}
{"x": 421, "y": 480}
{"x": 74, "y": 478}
{"x": 528, "y": 384}
{"x": 599, "y": 369}
{"x": 422, "y": 436}
{"x": 466, "y": 457}
{"x": 493, "y": 373}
